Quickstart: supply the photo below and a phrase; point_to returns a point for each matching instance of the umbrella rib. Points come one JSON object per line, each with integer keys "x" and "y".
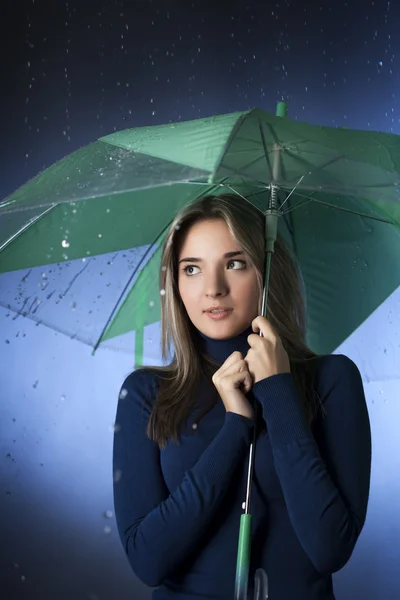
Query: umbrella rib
{"x": 243, "y": 175}
{"x": 39, "y": 321}
{"x": 348, "y": 210}
{"x": 236, "y": 128}
{"x": 264, "y": 145}
{"x": 116, "y": 306}
{"x": 26, "y": 227}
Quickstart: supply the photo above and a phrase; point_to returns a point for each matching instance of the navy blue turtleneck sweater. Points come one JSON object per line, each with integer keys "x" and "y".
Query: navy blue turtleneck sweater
{"x": 178, "y": 509}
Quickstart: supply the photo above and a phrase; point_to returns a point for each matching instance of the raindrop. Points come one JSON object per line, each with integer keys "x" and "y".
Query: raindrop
{"x": 107, "y": 529}
{"x": 123, "y": 394}
{"x": 162, "y": 292}
{"x": 108, "y": 514}
{"x": 117, "y": 475}
{"x": 163, "y": 268}
{"x": 151, "y": 303}
{"x": 65, "y": 244}
{"x": 115, "y": 427}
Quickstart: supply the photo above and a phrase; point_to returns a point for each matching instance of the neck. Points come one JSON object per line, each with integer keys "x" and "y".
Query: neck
{"x": 219, "y": 350}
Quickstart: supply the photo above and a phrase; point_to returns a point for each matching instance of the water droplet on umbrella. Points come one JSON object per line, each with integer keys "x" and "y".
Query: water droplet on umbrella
{"x": 65, "y": 244}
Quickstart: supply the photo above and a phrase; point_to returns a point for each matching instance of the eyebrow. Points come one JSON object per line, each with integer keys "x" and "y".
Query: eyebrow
{"x": 226, "y": 255}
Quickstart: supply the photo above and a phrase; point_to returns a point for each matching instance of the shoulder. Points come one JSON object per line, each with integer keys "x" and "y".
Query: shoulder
{"x": 336, "y": 365}
{"x": 140, "y": 386}
{"x": 336, "y": 371}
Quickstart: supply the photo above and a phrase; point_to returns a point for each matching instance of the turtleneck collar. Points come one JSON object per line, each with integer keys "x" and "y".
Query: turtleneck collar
{"x": 219, "y": 350}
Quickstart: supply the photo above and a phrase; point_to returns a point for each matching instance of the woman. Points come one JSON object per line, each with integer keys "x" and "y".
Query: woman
{"x": 184, "y": 430}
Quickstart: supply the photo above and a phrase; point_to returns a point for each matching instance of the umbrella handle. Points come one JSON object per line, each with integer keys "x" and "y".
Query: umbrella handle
{"x": 243, "y": 564}
{"x": 243, "y": 558}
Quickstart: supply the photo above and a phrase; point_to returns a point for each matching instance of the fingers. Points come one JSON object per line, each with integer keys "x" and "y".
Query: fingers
{"x": 235, "y": 370}
{"x": 234, "y": 358}
{"x": 232, "y": 364}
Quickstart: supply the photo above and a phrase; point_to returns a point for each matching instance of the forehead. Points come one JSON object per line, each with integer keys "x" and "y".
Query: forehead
{"x": 204, "y": 233}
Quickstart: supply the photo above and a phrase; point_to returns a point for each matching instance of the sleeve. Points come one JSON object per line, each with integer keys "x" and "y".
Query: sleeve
{"x": 156, "y": 528}
{"x": 326, "y": 499}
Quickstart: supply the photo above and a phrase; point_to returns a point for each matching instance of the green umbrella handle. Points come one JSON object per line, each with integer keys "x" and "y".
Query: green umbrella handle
{"x": 243, "y": 558}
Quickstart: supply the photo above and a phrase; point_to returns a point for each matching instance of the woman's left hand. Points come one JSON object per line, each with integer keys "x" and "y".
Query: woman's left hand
{"x": 266, "y": 355}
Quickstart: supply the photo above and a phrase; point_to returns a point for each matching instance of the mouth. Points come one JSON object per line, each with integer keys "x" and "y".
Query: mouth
{"x": 221, "y": 314}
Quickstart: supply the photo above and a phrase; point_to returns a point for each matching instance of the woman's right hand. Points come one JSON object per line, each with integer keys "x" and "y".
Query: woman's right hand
{"x": 233, "y": 381}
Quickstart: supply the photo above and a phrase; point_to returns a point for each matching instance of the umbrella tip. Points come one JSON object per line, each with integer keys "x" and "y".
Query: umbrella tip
{"x": 281, "y": 109}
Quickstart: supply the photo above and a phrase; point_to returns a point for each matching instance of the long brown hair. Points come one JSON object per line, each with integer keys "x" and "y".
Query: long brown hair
{"x": 286, "y": 310}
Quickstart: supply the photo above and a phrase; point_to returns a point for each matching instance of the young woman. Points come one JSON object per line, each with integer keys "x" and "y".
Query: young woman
{"x": 184, "y": 430}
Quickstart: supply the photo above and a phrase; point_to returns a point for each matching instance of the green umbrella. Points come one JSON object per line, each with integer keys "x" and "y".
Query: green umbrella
{"x": 333, "y": 194}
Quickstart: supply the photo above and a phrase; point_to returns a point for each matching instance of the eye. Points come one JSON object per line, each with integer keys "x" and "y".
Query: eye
{"x": 242, "y": 262}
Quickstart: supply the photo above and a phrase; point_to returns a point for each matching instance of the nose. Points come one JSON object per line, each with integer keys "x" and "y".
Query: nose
{"x": 215, "y": 284}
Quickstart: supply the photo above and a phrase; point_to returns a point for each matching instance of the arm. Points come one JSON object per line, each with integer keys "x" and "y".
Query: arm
{"x": 326, "y": 498}
{"x": 159, "y": 529}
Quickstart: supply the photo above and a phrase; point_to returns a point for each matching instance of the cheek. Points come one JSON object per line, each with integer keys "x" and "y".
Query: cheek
{"x": 186, "y": 293}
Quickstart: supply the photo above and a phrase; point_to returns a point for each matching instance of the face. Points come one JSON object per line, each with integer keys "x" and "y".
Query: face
{"x": 216, "y": 280}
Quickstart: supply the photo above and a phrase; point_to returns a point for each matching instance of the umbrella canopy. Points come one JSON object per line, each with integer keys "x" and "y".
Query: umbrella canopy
{"x": 339, "y": 196}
